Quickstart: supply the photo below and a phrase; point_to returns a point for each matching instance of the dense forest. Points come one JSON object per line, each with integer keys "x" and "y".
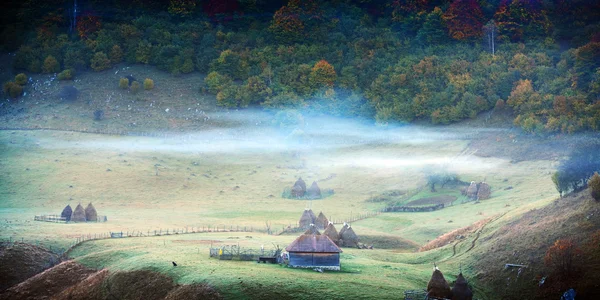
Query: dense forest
{"x": 438, "y": 61}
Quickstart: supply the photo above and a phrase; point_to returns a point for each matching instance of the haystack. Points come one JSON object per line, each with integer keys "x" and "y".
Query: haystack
{"x": 321, "y": 221}
{"x": 305, "y": 220}
{"x": 90, "y": 213}
{"x": 484, "y": 191}
{"x": 344, "y": 228}
{"x": 314, "y": 192}
{"x": 349, "y": 238}
{"x": 332, "y": 233}
{"x": 78, "y": 214}
{"x": 472, "y": 190}
{"x": 438, "y": 287}
{"x": 301, "y": 184}
{"x": 312, "y": 229}
{"x": 297, "y": 191}
{"x": 461, "y": 290}
{"x": 312, "y": 216}
{"x": 66, "y": 213}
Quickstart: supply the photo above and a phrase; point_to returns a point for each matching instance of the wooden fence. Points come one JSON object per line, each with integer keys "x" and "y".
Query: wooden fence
{"x": 235, "y": 252}
{"x": 50, "y": 218}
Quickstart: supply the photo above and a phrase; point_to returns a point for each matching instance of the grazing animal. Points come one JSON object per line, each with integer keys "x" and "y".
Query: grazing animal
{"x": 131, "y": 79}
{"x": 174, "y": 264}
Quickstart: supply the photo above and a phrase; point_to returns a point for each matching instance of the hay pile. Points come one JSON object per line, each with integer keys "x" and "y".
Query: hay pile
{"x": 90, "y": 213}
{"x": 348, "y": 237}
{"x": 472, "y": 190}
{"x": 332, "y": 233}
{"x": 299, "y": 188}
{"x": 484, "y": 191}
{"x": 314, "y": 192}
{"x": 306, "y": 219}
{"x": 312, "y": 229}
{"x": 66, "y": 213}
{"x": 321, "y": 222}
{"x": 438, "y": 287}
{"x": 461, "y": 290}
{"x": 78, "y": 214}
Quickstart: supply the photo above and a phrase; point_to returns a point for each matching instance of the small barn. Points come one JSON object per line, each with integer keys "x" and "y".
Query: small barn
{"x": 314, "y": 251}
{"x": 438, "y": 287}
{"x": 321, "y": 222}
{"x": 314, "y": 192}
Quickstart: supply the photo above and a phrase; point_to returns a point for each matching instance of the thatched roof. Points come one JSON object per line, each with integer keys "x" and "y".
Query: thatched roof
{"x": 484, "y": 191}
{"x": 461, "y": 290}
{"x": 297, "y": 191}
{"x": 438, "y": 287}
{"x": 472, "y": 190}
{"x": 301, "y": 184}
{"x": 314, "y": 192}
{"x": 78, "y": 214}
{"x": 313, "y": 243}
{"x": 305, "y": 220}
{"x": 332, "y": 233}
{"x": 321, "y": 221}
{"x": 90, "y": 213}
{"x": 312, "y": 229}
{"x": 66, "y": 213}
{"x": 349, "y": 238}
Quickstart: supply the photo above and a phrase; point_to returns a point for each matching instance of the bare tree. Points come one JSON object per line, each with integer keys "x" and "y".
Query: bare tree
{"x": 490, "y": 29}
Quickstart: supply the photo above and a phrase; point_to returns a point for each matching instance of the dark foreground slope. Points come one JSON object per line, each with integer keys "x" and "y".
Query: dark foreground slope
{"x": 20, "y": 261}
{"x": 573, "y": 220}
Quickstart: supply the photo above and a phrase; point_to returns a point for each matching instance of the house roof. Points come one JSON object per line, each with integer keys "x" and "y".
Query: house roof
{"x": 313, "y": 243}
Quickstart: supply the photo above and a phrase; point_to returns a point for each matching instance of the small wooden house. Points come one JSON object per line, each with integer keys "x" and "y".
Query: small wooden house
{"x": 314, "y": 251}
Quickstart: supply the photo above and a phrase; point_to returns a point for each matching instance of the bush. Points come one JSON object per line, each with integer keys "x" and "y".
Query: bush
{"x": 21, "y": 79}
{"x": 116, "y": 54}
{"x": 12, "y": 89}
{"x": 100, "y": 62}
{"x": 50, "y": 65}
{"x": 573, "y": 173}
{"x": 148, "y": 84}
{"x": 124, "y": 83}
{"x": 66, "y": 74}
{"x": 98, "y": 115}
{"x": 135, "y": 87}
{"x": 594, "y": 185}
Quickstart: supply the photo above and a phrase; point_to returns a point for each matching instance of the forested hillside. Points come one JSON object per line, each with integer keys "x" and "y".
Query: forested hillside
{"x": 392, "y": 61}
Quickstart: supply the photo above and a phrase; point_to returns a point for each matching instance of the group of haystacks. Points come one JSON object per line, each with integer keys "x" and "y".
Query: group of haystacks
{"x": 478, "y": 191}
{"x": 299, "y": 190}
{"x": 88, "y": 214}
{"x": 438, "y": 287}
{"x": 346, "y": 237}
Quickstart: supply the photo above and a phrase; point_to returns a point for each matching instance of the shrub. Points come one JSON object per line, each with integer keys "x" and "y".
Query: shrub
{"x": 499, "y": 105}
{"x": 21, "y": 79}
{"x": 148, "y": 84}
{"x": 66, "y": 74}
{"x": 562, "y": 258}
{"x": 124, "y": 83}
{"x": 135, "y": 87}
{"x": 50, "y": 65}
{"x": 594, "y": 185}
{"x": 98, "y": 115}
{"x": 12, "y": 89}
{"x": 100, "y": 62}
{"x": 116, "y": 54}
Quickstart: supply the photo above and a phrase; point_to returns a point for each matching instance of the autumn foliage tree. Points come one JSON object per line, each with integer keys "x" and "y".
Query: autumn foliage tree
{"x": 322, "y": 74}
{"x": 594, "y": 185}
{"x": 181, "y": 8}
{"x": 562, "y": 257}
{"x": 287, "y": 25}
{"x": 88, "y": 24}
{"x": 464, "y": 19}
{"x": 520, "y": 18}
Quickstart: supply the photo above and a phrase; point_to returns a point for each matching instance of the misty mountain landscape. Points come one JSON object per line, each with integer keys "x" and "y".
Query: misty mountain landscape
{"x": 252, "y": 149}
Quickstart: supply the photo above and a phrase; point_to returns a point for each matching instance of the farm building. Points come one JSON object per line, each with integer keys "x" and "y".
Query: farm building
{"x": 314, "y": 250}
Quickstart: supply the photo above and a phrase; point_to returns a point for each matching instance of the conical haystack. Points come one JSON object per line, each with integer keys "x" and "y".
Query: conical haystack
{"x": 305, "y": 220}
{"x": 90, "y": 213}
{"x": 332, "y": 233}
{"x": 344, "y": 228}
{"x": 78, "y": 214}
{"x": 66, "y": 213}
{"x": 301, "y": 184}
{"x": 297, "y": 191}
{"x": 461, "y": 290}
{"x": 312, "y": 229}
{"x": 484, "y": 191}
{"x": 321, "y": 221}
{"x": 349, "y": 238}
{"x": 438, "y": 287}
{"x": 472, "y": 190}
{"x": 314, "y": 192}
{"x": 312, "y": 216}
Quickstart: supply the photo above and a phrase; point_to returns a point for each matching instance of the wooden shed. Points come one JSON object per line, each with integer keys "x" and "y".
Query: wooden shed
{"x": 314, "y": 251}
